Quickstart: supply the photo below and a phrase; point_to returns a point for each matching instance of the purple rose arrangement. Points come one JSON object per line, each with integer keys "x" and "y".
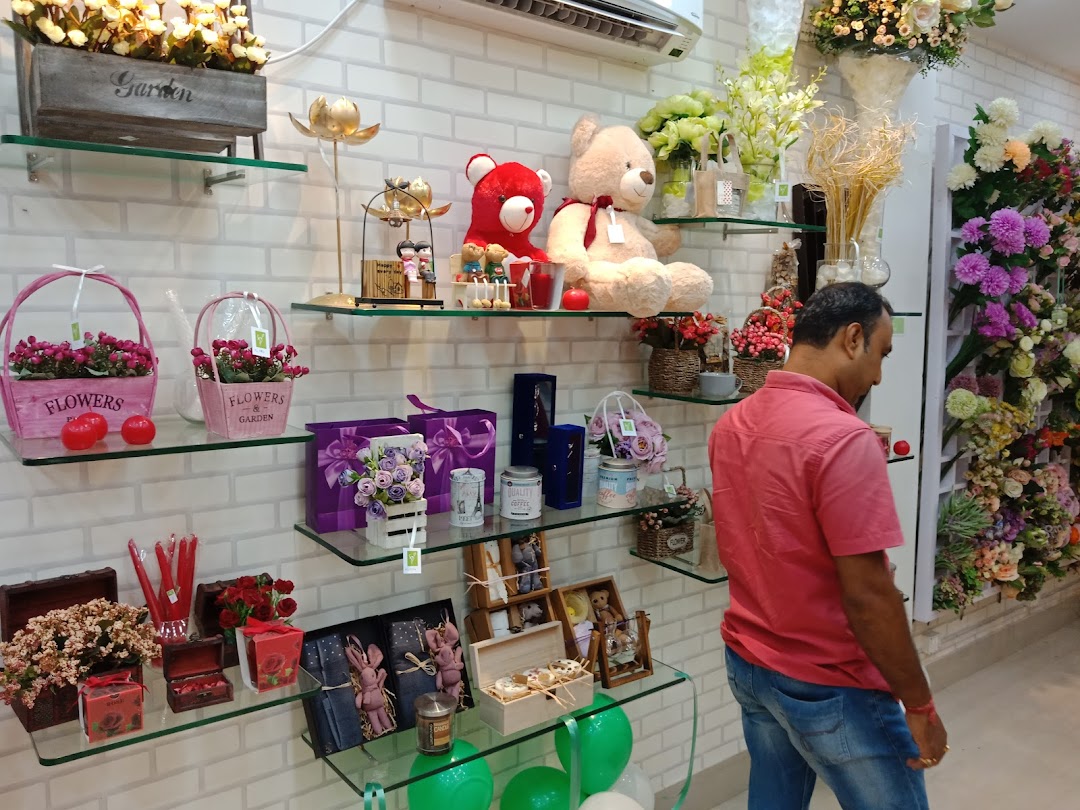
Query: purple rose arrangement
{"x": 391, "y": 476}
{"x": 646, "y": 443}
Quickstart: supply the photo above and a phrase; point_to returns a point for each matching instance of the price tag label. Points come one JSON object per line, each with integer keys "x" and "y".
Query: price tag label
{"x": 77, "y": 341}
{"x": 173, "y": 598}
{"x": 783, "y": 191}
{"x": 669, "y": 490}
{"x": 615, "y": 234}
{"x": 724, "y": 192}
{"x": 628, "y": 428}
{"x": 260, "y": 342}
{"x": 410, "y": 559}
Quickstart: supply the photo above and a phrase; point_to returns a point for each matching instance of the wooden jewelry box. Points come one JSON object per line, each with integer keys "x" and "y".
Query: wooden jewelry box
{"x": 505, "y": 657}
{"x": 195, "y": 674}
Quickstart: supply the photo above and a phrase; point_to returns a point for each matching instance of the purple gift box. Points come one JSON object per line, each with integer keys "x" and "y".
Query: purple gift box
{"x": 455, "y": 439}
{"x": 330, "y": 506}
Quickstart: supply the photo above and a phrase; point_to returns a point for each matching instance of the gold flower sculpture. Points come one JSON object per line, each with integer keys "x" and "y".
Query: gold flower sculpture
{"x": 399, "y": 207}
{"x": 337, "y": 123}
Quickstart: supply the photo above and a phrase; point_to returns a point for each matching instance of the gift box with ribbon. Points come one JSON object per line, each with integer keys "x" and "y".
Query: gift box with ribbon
{"x": 110, "y": 705}
{"x": 330, "y": 506}
{"x": 195, "y": 674}
{"x": 455, "y": 439}
{"x": 270, "y": 656}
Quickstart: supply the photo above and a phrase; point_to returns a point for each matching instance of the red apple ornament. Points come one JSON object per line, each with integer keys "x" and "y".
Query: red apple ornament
{"x": 78, "y": 435}
{"x": 901, "y": 448}
{"x": 138, "y": 430}
{"x": 99, "y": 423}
{"x": 575, "y": 300}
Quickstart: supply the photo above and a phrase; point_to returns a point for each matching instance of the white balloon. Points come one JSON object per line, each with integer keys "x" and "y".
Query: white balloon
{"x": 635, "y": 783}
{"x": 609, "y": 800}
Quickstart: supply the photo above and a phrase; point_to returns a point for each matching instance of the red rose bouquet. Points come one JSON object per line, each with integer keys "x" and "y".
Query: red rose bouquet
{"x": 260, "y": 597}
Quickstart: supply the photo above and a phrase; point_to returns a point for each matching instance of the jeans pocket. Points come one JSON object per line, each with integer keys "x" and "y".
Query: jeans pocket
{"x": 817, "y": 722}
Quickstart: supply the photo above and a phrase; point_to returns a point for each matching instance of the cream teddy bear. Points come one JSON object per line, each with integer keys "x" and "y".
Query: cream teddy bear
{"x": 606, "y": 246}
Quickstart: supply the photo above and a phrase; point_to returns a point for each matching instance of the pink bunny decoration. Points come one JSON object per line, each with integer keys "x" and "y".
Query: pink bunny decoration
{"x": 371, "y": 700}
{"x": 446, "y": 653}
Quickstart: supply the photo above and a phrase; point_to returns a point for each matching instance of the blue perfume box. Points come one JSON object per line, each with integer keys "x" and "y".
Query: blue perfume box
{"x": 534, "y": 414}
{"x": 565, "y": 471}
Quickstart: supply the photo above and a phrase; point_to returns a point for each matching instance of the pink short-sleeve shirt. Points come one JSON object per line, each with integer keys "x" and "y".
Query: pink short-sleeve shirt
{"x": 798, "y": 479}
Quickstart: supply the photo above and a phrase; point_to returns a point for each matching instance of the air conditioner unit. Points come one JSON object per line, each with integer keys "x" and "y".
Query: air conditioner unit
{"x": 643, "y": 32}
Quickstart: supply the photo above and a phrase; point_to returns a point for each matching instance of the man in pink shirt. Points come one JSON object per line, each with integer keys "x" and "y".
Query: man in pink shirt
{"x": 819, "y": 646}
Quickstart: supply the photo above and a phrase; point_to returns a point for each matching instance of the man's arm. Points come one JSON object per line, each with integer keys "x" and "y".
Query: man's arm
{"x": 875, "y": 610}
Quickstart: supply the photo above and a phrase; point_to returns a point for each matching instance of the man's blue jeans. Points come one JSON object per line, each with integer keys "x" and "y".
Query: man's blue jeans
{"x": 857, "y": 740}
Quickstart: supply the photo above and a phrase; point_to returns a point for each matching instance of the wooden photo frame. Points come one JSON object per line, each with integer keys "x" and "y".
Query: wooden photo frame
{"x": 483, "y": 564}
{"x": 481, "y": 623}
{"x": 573, "y": 602}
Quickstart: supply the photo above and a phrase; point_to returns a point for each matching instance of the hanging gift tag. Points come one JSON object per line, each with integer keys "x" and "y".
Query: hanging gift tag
{"x": 260, "y": 342}
{"x": 615, "y": 233}
{"x": 77, "y": 341}
{"x": 410, "y": 558}
{"x": 629, "y": 430}
{"x": 783, "y": 191}
{"x": 171, "y": 594}
{"x": 724, "y": 192}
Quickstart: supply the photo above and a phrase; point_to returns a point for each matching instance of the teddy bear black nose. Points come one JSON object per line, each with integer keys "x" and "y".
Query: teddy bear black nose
{"x": 648, "y": 177}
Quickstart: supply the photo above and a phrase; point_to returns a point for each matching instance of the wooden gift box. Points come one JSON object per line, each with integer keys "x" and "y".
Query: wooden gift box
{"x": 195, "y": 674}
{"x": 501, "y": 657}
{"x": 206, "y": 613}
{"x": 481, "y": 627}
{"x": 476, "y": 560}
{"x": 24, "y": 601}
{"x": 610, "y": 673}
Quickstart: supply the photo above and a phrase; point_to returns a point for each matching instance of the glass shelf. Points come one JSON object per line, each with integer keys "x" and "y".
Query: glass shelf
{"x": 354, "y": 548}
{"x": 67, "y": 742}
{"x": 388, "y": 760}
{"x": 173, "y": 436}
{"x": 390, "y": 310}
{"x": 645, "y": 392}
{"x": 895, "y": 459}
{"x": 33, "y": 154}
{"x": 763, "y": 226}
{"x": 683, "y": 566}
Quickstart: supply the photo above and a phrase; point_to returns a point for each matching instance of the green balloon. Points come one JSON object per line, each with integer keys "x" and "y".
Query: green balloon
{"x": 540, "y": 788}
{"x": 606, "y": 742}
{"x": 469, "y": 785}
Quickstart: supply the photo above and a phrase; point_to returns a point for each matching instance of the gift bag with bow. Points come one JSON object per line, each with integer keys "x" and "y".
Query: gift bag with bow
{"x": 455, "y": 439}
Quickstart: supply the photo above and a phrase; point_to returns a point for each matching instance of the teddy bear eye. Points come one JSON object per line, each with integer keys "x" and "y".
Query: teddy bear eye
{"x": 628, "y": 166}
{"x": 502, "y": 198}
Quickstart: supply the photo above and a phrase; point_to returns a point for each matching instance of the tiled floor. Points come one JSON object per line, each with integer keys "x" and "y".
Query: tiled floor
{"x": 1014, "y": 731}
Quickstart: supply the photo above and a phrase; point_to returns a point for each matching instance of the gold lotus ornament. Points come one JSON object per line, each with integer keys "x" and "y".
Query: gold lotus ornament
{"x": 399, "y": 206}
{"x": 337, "y": 123}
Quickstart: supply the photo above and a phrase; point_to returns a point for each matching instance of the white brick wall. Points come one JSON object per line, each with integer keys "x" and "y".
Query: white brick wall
{"x": 443, "y": 92}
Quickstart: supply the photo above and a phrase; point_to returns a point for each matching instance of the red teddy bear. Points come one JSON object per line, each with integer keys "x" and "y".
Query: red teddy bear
{"x": 508, "y": 199}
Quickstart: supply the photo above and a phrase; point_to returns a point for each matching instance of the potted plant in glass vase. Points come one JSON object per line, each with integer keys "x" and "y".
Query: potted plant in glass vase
{"x": 115, "y": 71}
{"x": 678, "y": 346}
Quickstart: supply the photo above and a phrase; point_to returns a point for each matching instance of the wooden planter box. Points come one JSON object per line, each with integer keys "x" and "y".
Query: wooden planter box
{"x": 103, "y": 98}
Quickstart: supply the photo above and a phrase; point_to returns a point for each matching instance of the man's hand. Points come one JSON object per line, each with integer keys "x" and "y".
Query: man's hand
{"x": 929, "y": 734}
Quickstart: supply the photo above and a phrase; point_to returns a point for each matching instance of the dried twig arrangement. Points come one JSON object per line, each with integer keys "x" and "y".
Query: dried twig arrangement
{"x": 850, "y": 168}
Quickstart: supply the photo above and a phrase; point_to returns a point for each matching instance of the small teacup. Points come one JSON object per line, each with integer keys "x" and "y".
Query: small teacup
{"x": 717, "y": 385}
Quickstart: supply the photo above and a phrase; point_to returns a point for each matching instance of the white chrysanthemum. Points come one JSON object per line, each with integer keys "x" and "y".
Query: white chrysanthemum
{"x": 1048, "y": 132}
{"x": 962, "y": 175}
{"x": 1004, "y": 111}
{"x": 992, "y": 134}
{"x": 989, "y": 158}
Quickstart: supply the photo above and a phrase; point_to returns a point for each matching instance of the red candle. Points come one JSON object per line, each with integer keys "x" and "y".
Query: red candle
{"x": 540, "y": 287}
{"x": 171, "y": 605}
{"x": 147, "y": 589}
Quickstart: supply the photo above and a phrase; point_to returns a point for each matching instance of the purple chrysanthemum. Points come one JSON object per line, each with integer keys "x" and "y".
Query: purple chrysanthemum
{"x": 1018, "y": 279}
{"x": 1007, "y": 229}
{"x": 1025, "y": 318}
{"x": 1036, "y": 232}
{"x": 993, "y": 322}
{"x": 972, "y": 268}
{"x": 990, "y": 387}
{"x": 972, "y": 230}
{"x": 995, "y": 282}
{"x": 965, "y": 381}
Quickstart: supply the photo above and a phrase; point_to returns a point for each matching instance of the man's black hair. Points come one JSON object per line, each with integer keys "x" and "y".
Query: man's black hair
{"x": 835, "y": 307}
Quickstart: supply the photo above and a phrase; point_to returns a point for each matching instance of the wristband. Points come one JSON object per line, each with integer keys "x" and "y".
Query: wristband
{"x": 928, "y": 709}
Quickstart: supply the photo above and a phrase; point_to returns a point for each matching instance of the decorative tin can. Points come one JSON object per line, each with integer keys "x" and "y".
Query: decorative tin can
{"x": 591, "y": 478}
{"x": 467, "y": 497}
{"x": 435, "y": 723}
{"x": 521, "y": 492}
{"x": 617, "y": 484}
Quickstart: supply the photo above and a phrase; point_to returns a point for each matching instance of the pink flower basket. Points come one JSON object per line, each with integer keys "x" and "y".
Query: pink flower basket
{"x": 38, "y": 409}
{"x": 244, "y": 410}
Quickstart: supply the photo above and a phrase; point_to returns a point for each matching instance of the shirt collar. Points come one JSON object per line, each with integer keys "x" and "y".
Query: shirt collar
{"x": 800, "y": 382}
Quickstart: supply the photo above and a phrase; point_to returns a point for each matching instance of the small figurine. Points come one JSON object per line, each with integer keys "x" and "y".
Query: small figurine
{"x": 605, "y": 614}
{"x": 495, "y": 255}
{"x": 446, "y": 653}
{"x": 406, "y": 251}
{"x": 524, "y": 557}
{"x": 471, "y": 269}
{"x": 372, "y": 698}
{"x": 425, "y": 263}
{"x": 532, "y": 615}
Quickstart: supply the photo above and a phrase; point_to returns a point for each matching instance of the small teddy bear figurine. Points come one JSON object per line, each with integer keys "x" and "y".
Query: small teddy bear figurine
{"x": 495, "y": 254}
{"x": 471, "y": 268}
{"x": 605, "y": 613}
{"x": 524, "y": 557}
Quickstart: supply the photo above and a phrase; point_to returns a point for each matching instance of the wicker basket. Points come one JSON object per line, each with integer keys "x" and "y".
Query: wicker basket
{"x": 668, "y": 541}
{"x": 674, "y": 371}
{"x": 752, "y": 371}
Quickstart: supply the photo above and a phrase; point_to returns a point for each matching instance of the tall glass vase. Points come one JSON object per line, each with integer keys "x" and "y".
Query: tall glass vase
{"x": 878, "y": 82}
{"x": 677, "y": 188}
{"x": 773, "y": 25}
{"x": 759, "y": 202}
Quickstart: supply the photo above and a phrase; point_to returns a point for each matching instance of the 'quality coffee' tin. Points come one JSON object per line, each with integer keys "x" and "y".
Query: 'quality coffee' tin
{"x": 521, "y": 493}
{"x": 617, "y": 484}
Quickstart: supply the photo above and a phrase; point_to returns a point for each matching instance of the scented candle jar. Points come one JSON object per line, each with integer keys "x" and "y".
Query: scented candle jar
{"x": 435, "y": 723}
